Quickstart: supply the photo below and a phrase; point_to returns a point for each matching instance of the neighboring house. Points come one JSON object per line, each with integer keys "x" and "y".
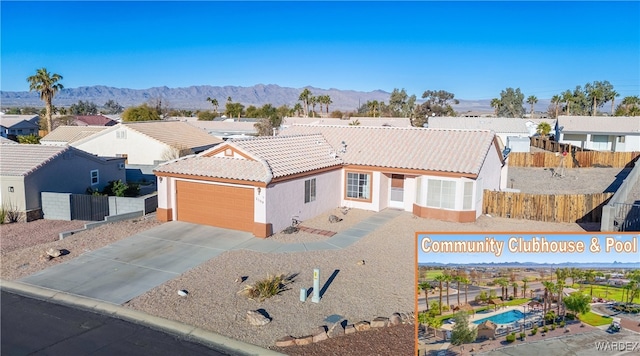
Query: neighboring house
{"x": 94, "y": 120}
{"x": 147, "y": 143}
{"x": 600, "y": 133}
{"x": 12, "y": 126}
{"x": 260, "y": 184}
{"x": 514, "y": 132}
{"x": 226, "y": 129}
{"x": 361, "y": 121}
{"x": 66, "y": 135}
{"x": 28, "y": 170}
{"x": 6, "y": 141}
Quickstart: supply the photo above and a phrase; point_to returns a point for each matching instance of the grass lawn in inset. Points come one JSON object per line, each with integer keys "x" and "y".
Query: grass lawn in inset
{"x": 608, "y": 293}
{"x": 594, "y": 319}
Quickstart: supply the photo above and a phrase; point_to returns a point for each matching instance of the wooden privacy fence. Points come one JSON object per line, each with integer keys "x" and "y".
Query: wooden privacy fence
{"x": 584, "y": 159}
{"x": 553, "y": 146}
{"x": 541, "y": 207}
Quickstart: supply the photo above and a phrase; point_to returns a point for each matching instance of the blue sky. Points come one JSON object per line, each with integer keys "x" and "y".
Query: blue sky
{"x": 473, "y": 49}
{"x": 506, "y": 256}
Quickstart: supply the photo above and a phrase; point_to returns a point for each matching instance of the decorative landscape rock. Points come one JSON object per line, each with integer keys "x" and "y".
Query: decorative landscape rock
{"x": 360, "y": 263}
{"x": 256, "y": 318}
{"x": 336, "y": 330}
{"x": 53, "y": 253}
{"x": 362, "y": 326}
{"x": 350, "y": 329}
{"x": 320, "y": 334}
{"x": 305, "y": 340}
{"x": 334, "y": 219}
{"x": 380, "y": 322}
{"x": 395, "y": 319}
{"x": 286, "y": 341}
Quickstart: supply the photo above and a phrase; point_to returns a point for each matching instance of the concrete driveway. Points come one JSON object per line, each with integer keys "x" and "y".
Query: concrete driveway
{"x": 130, "y": 267}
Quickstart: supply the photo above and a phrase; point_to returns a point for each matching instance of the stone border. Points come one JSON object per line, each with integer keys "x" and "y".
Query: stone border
{"x": 341, "y": 328}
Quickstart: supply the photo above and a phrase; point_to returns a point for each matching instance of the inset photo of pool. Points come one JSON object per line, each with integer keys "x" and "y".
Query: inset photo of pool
{"x": 481, "y": 293}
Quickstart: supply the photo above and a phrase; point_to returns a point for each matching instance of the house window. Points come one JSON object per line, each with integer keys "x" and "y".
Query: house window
{"x": 359, "y": 185}
{"x": 309, "y": 190}
{"x": 441, "y": 193}
{"x": 467, "y": 201}
{"x": 121, "y": 134}
{"x": 95, "y": 178}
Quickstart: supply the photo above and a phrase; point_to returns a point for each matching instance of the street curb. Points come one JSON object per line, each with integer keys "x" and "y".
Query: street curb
{"x": 170, "y": 326}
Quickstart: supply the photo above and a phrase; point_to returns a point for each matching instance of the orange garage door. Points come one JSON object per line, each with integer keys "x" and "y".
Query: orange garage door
{"x": 215, "y": 205}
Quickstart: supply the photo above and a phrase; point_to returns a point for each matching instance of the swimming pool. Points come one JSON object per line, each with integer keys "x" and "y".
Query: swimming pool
{"x": 503, "y": 318}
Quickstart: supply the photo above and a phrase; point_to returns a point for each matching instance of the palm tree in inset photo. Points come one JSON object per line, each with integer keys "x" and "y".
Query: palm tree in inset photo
{"x": 47, "y": 84}
{"x": 532, "y": 100}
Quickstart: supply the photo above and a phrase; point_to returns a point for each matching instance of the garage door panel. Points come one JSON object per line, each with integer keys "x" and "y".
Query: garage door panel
{"x": 216, "y": 205}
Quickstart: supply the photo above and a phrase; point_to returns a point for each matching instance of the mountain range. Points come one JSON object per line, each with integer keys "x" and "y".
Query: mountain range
{"x": 195, "y": 97}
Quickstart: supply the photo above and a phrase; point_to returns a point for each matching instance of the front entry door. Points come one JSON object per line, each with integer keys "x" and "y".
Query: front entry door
{"x": 396, "y": 198}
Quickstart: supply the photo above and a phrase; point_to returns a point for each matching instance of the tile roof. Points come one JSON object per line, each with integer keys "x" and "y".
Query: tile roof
{"x": 364, "y": 121}
{"x": 70, "y": 134}
{"x": 444, "y": 150}
{"x": 600, "y": 124}
{"x": 497, "y": 124}
{"x": 21, "y": 160}
{"x": 174, "y": 133}
{"x": 10, "y": 120}
{"x": 287, "y": 155}
{"x": 273, "y": 157}
{"x": 218, "y": 167}
{"x": 95, "y": 120}
{"x": 6, "y": 141}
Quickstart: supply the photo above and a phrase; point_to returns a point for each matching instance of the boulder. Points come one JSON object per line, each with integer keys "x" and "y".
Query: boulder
{"x": 334, "y": 219}
{"x": 350, "y": 329}
{"x": 54, "y": 252}
{"x": 380, "y": 322}
{"x": 305, "y": 340}
{"x": 256, "y": 318}
{"x": 286, "y": 341}
{"x": 395, "y": 319}
{"x": 362, "y": 326}
{"x": 335, "y": 330}
{"x": 320, "y": 334}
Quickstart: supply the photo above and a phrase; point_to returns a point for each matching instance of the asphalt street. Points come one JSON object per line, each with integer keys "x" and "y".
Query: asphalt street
{"x": 34, "y": 327}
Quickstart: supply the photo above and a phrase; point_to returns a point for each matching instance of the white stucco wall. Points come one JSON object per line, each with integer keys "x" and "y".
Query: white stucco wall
{"x": 409, "y": 192}
{"x": 140, "y": 149}
{"x": 285, "y": 200}
{"x": 165, "y": 193}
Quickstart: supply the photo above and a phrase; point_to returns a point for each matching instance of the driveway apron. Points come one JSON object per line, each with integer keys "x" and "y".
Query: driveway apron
{"x": 130, "y": 267}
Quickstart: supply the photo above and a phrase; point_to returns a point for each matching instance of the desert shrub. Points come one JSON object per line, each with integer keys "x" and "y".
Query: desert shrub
{"x": 522, "y": 335}
{"x": 562, "y": 324}
{"x": 3, "y": 215}
{"x": 120, "y": 189}
{"x": 9, "y": 213}
{"x": 206, "y": 116}
{"x": 534, "y": 331}
{"x": 267, "y": 288}
{"x": 553, "y": 326}
{"x": 511, "y": 337}
{"x": 545, "y": 329}
{"x": 445, "y": 308}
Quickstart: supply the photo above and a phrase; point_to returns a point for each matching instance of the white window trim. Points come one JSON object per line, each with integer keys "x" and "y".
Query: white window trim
{"x": 96, "y": 177}
{"x": 309, "y": 190}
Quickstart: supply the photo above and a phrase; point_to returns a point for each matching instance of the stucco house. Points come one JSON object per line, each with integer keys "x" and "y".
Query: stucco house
{"x": 600, "y": 133}
{"x": 12, "y": 126}
{"x": 513, "y": 132}
{"x": 28, "y": 170}
{"x": 260, "y": 184}
{"x": 65, "y": 135}
{"x": 147, "y": 143}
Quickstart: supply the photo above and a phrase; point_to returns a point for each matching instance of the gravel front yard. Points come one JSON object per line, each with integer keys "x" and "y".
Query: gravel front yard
{"x": 575, "y": 181}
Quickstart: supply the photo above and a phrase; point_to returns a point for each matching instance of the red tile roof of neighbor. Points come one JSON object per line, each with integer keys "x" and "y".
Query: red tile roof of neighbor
{"x": 95, "y": 120}
{"x": 317, "y": 147}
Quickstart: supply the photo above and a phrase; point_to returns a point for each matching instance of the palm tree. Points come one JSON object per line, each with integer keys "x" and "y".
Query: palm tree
{"x": 447, "y": 280}
{"x": 297, "y": 108}
{"x": 304, "y": 97}
{"x": 560, "y": 290}
{"x": 495, "y": 103}
{"x": 515, "y": 289}
{"x": 426, "y": 287}
{"x": 555, "y": 100}
{"x": 595, "y": 93}
{"x": 525, "y": 280}
{"x": 567, "y": 97}
{"x": 613, "y": 95}
{"x": 213, "y": 102}
{"x": 327, "y": 102}
{"x": 441, "y": 278}
{"x": 313, "y": 100}
{"x": 47, "y": 84}
{"x": 532, "y": 100}
{"x": 464, "y": 280}
{"x": 548, "y": 293}
{"x": 590, "y": 276}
